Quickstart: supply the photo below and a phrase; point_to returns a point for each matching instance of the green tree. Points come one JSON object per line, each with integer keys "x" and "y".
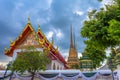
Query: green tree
{"x": 31, "y": 60}
{"x": 115, "y": 55}
{"x": 96, "y": 55}
{"x": 102, "y": 30}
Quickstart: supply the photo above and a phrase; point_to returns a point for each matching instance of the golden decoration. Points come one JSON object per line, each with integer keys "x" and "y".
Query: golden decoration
{"x": 11, "y": 41}
{"x": 56, "y": 49}
{"x": 39, "y": 26}
{"x": 52, "y": 41}
{"x": 5, "y": 49}
{"x": 42, "y": 41}
{"x": 28, "y": 19}
{"x": 49, "y": 47}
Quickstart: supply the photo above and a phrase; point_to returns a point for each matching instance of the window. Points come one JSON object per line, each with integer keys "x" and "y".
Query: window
{"x": 54, "y": 66}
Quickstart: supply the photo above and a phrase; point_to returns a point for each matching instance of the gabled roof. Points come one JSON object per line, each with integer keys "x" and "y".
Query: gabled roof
{"x": 28, "y": 28}
{"x": 50, "y": 46}
{"x": 41, "y": 39}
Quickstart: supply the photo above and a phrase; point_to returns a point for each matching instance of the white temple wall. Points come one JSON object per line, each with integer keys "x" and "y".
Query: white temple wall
{"x": 58, "y": 65}
{"x": 48, "y": 66}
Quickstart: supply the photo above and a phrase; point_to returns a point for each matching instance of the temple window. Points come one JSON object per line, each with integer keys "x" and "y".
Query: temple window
{"x": 58, "y": 67}
{"x": 54, "y": 66}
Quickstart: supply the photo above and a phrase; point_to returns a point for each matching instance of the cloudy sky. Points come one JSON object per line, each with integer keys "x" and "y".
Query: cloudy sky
{"x": 54, "y": 16}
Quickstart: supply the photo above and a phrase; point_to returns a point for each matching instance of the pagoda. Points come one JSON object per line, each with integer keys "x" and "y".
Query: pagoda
{"x": 73, "y": 55}
{"x": 30, "y": 37}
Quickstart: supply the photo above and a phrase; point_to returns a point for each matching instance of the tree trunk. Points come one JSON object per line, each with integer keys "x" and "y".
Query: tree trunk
{"x": 32, "y": 76}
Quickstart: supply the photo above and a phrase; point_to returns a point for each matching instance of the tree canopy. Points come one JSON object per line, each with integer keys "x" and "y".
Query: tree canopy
{"x": 102, "y": 30}
{"x": 96, "y": 55}
{"x": 31, "y": 60}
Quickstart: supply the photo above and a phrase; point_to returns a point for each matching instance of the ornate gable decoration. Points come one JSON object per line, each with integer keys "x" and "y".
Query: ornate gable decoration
{"x": 29, "y": 37}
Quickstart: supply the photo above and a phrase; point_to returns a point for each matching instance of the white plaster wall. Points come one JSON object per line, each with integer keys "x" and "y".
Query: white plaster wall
{"x": 57, "y": 63}
{"x": 49, "y": 66}
{"x": 15, "y": 54}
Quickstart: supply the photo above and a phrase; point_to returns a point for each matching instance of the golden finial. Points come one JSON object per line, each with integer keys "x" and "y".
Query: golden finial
{"x": 52, "y": 41}
{"x": 38, "y": 26}
{"x": 28, "y": 19}
{"x": 57, "y": 48}
{"x": 42, "y": 41}
{"x": 11, "y": 41}
{"x": 5, "y": 48}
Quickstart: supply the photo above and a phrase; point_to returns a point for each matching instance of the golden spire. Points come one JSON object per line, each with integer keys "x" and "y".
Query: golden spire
{"x": 74, "y": 41}
{"x": 28, "y": 19}
{"x": 57, "y": 48}
{"x": 71, "y": 38}
{"x": 11, "y": 41}
{"x": 52, "y": 41}
{"x": 38, "y": 26}
{"x": 5, "y": 48}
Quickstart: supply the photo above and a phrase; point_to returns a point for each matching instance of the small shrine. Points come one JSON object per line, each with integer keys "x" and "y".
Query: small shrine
{"x": 85, "y": 63}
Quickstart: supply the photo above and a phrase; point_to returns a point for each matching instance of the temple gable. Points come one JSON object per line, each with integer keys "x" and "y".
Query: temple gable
{"x": 30, "y": 40}
{"x": 29, "y": 37}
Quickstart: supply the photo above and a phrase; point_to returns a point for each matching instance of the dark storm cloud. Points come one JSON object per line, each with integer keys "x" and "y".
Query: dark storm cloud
{"x": 53, "y": 15}
{"x": 62, "y": 17}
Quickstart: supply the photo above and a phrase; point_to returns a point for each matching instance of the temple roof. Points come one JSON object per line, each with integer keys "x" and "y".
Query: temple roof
{"x": 28, "y": 28}
{"x": 43, "y": 41}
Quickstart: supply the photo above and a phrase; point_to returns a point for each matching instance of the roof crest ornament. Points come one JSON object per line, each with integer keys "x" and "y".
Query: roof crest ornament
{"x": 52, "y": 40}
{"x": 28, "y": 19}
{"x": 38, "y": 26}
{"x": 11, "y": 41}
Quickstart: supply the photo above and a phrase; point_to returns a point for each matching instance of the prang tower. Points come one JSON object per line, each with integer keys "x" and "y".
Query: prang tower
{"x": 73, "y": 54}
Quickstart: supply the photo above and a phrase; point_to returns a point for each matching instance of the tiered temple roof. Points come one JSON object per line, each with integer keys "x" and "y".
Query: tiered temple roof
{"x": 40, "y": 41}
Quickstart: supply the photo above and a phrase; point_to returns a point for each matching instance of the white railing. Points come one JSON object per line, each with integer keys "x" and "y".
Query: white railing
{"x": 65, "y": 75}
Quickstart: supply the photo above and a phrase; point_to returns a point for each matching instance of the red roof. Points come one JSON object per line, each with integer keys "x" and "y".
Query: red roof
{"x": 52, "y": 49}
{"x": 28, "y": 28}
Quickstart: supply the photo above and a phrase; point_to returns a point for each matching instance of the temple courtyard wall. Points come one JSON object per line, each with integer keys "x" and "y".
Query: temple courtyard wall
{"x": 67, "y": 79}
{"x": 66, "y": 75}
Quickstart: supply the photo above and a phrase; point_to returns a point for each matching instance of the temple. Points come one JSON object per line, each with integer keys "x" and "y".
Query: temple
{"x": 30, "y": 37}
{"x": 73, "y": 55}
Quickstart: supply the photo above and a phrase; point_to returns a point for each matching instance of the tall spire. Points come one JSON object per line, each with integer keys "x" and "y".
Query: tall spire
{"x": 73, "y": 56}
{"x": 71, "y": 39}
{"x": 74, "y": 42}
{"x": 38, "y": 26}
